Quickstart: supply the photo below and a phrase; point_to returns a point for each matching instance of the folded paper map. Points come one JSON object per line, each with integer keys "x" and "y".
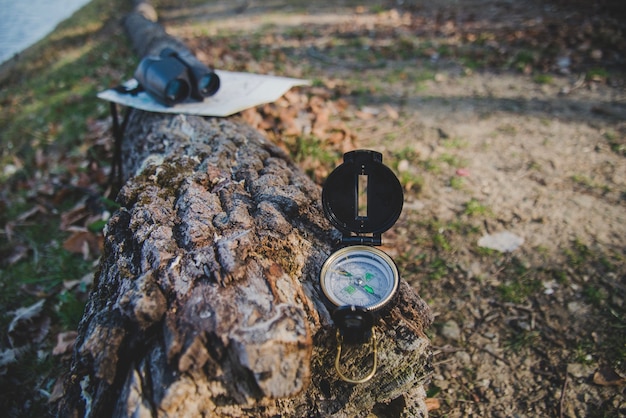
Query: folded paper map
{"x": 238, "y": 91}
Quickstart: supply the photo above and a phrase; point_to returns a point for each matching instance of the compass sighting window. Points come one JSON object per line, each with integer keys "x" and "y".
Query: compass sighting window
{"x": 362, "y": 196}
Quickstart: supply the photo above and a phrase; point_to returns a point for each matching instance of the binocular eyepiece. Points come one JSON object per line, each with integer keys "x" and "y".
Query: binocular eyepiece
{"x": 173, "y": 77}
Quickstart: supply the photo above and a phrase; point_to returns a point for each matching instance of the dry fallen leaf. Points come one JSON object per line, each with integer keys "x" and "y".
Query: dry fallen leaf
{"x": 83, "y": 242}
{"x": 57, "y": 390}
{"x": 366, "y": 113}
{"x": 20, "y": 252}
{"x": 432, "y": 404}
{"x": 25, "y": 314}
{"x": 606, "y": 376}
{"x": 84, "y": 282}
{"x": 31, "y": 212}
{"x": 28, "y": 325}
{"x": 74, "y": 216}
{"x": 321, "y": 122}
{"x": 252, "y": 117}
{"x": 65, "y": 343}
{"x": 8, "y": 356}
{"x": 391, "y": 112}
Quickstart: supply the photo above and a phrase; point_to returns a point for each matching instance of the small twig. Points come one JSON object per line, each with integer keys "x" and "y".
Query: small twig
{"x": 507, "y": 259}
{"x": 514, "y": 306}
{"x": 579, "y": 82}
{"x": 446, "y": 361}
{"x": 562, "y": 399}
{"x": 446, "y": 349}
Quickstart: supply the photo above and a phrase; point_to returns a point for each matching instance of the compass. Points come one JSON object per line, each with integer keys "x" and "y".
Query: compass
{"x": 359, "y": 275}
{"x": 362, "y": 198}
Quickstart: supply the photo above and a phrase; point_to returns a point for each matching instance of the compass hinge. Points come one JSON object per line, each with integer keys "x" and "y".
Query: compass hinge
{"x": 362, "y": 240}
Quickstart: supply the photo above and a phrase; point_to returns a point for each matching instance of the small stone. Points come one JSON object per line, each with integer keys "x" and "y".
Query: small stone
{"x": 577, "y": 308}
{"x": 484, "y": 383}
{"x": 403, "y": 165}
{"x": 451, "y": 331}
{"x": 504, "y": 241}
{"x": 9, "y": 170}
{"x": 463, "y": 357}
{"x": 491, "y": 348}
{"x": 564, "y": 64}
{"x": 475, "y": 270}
{"x": 580, "y": 370}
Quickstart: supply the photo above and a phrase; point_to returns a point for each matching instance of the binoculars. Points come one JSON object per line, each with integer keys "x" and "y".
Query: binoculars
{"x": 173, "y": 77}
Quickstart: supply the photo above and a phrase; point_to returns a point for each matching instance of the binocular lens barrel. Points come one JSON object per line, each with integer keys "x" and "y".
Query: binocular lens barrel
{"x": 173, "y": 77}
{"x": 203, "y": 79}
{"x": 208, "y": 84}
{"x": 176, "y": 91}
{"x": 165, "y": 79}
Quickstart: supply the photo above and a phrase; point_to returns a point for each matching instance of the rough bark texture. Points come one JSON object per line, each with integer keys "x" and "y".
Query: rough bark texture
{"x": 207, "y": 300}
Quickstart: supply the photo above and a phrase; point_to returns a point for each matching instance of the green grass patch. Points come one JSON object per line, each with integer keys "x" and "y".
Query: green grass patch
{"x": 523, "y": 59}
{"x": 454, "y": 143}
{"x": 69, "y": 309}
{"x": 616, "y": 142}
{"x": 559, "y": 275}
{"x": 45, "y": 271}
{"x": 474, "y": 208}
{"x": 578, "y": 255}
{"x": 430, "y": 165}
{"x": 452, "y": 160}
{"x": 590, "y": 185}
{"x": 310, "y": 153}
{"x": 411, "y": 182}
{"x": 521, "y": 340}
{"x": 437, "y": 269}
{"x": 507, "y": 129}
{"x": 597, "y": 74}
{"x": 48, "y": 99}
{"x": 406, "y": 153}
{"x": 543, "y": 78}
{"x": 457, "y": 182}
{"x": 594, "y": 294}
{"x": 520, "y": 281}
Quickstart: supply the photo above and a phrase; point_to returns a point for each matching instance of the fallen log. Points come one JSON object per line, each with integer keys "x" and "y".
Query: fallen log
{"x": 207, "y": 298}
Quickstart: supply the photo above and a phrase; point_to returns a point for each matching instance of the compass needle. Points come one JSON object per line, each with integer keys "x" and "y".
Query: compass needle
{"x": 343, "y": 272}
{"x": 369, "y": 290}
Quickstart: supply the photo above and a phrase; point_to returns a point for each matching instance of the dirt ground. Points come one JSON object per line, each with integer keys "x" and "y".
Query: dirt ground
{"x": 522, "y": 153}
{"x": 498, "y": 116}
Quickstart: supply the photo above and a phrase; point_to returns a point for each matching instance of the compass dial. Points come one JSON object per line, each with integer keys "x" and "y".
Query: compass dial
{"x": 361, "y": 276}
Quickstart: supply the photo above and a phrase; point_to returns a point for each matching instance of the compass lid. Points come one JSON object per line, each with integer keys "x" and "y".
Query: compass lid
{"x": 362, "y": 195}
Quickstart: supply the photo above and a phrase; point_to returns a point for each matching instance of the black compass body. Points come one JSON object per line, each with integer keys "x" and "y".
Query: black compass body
{"x": 362, "y": 198}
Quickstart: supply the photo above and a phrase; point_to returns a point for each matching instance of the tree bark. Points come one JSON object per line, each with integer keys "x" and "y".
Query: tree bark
{"x": 207, "y": 299}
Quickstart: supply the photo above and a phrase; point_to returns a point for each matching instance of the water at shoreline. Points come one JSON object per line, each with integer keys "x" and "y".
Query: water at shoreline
{"x": 22, "y": 23}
